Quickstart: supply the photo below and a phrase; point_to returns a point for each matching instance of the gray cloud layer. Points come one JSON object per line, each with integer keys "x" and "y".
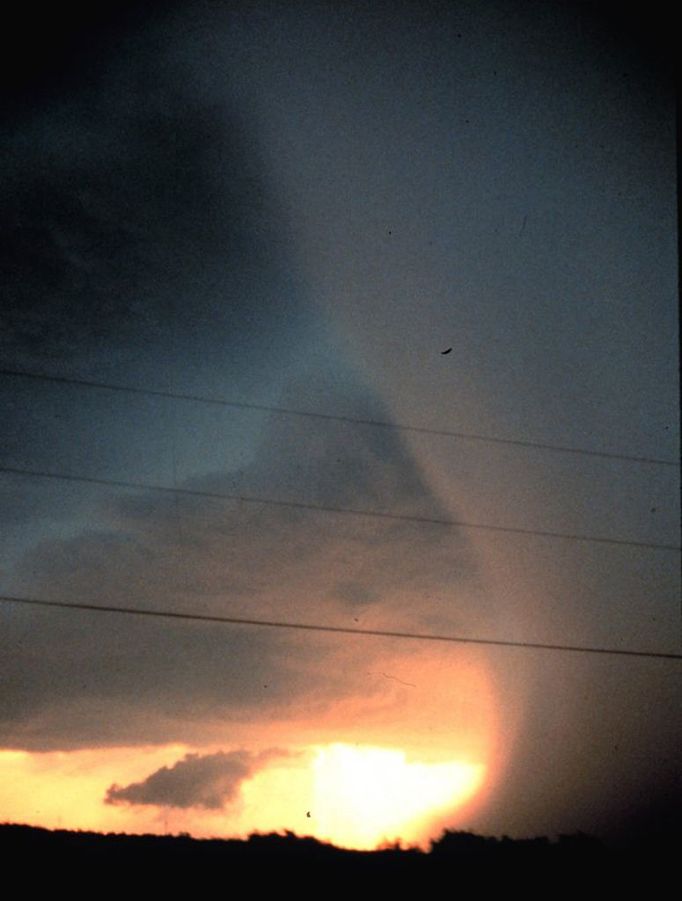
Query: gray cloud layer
{"x": 209, "y": 781}
{"x": 145, "y": 245}
{"x": 80, "y": 679}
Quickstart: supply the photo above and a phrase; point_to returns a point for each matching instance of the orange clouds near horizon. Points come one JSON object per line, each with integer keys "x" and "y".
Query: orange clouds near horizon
{"x": 383, "y": 768}
{"x": 351, "y": 795}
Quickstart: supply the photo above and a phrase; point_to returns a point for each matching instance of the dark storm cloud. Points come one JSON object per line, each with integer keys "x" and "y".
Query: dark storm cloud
{"x": 22, "y": 502}
{"x": 494, "y": 177}
{"x": 93, "y": 240}
{"x": 144, "y": 243}
{"x": 72, "y": 679}
{"x": 68, "y": 48}
{"x": 210, "y": 781}
{"x": 78, "y": 681}
{"x": 131, "y": 202}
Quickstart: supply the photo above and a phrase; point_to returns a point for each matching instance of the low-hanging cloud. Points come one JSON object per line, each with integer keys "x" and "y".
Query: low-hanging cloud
{"x": 159, "y": 680}
{"x": 208, "y": 781}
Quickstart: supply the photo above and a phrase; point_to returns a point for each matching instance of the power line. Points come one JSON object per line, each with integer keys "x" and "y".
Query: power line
{"x": 320, "y": 508}
{"x": 400, "y": 427}
{"x": 340, "y": 630}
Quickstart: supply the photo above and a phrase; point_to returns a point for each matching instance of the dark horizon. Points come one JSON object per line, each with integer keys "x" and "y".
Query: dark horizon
{"x": 475, "y": 861}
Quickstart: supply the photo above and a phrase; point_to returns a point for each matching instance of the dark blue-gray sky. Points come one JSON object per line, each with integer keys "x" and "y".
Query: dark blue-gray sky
{"x": 301, "y": 206}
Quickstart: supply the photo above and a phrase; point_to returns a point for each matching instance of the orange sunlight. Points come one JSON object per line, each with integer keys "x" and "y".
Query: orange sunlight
{"x": 364, "y": 796}
{"x": 356, "y": 796}
{"x": 351, "y": 777}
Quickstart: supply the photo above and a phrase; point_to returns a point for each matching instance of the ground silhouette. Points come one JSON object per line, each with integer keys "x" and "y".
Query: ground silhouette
{"x": 461, "y": 860}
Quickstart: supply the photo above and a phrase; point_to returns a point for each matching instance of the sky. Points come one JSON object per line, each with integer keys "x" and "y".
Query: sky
{"x": 361, "y": 316}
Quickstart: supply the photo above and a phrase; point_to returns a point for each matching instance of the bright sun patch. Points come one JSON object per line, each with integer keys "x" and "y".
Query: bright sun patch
{"x": 364, "y": 796}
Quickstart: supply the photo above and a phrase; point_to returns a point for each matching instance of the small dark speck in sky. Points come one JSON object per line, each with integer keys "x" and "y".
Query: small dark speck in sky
{"x": 443, "y": 352}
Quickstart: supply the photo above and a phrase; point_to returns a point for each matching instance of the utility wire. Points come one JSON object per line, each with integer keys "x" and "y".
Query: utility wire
{"x": 341, "y": 630}
{"x": 320, "y": 508}
{"x": 400, "y": 427}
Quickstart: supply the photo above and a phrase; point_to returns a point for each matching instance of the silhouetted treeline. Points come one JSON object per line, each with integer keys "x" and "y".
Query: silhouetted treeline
{"x": 462, "y": 859}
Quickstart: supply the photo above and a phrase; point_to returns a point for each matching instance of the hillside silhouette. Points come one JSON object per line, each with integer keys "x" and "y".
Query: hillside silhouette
{"x": 459, "y": 859}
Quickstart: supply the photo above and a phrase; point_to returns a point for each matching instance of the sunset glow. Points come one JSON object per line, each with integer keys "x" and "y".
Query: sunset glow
{"x": 368, "y": 795}
{"x": 356, "y": 796}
